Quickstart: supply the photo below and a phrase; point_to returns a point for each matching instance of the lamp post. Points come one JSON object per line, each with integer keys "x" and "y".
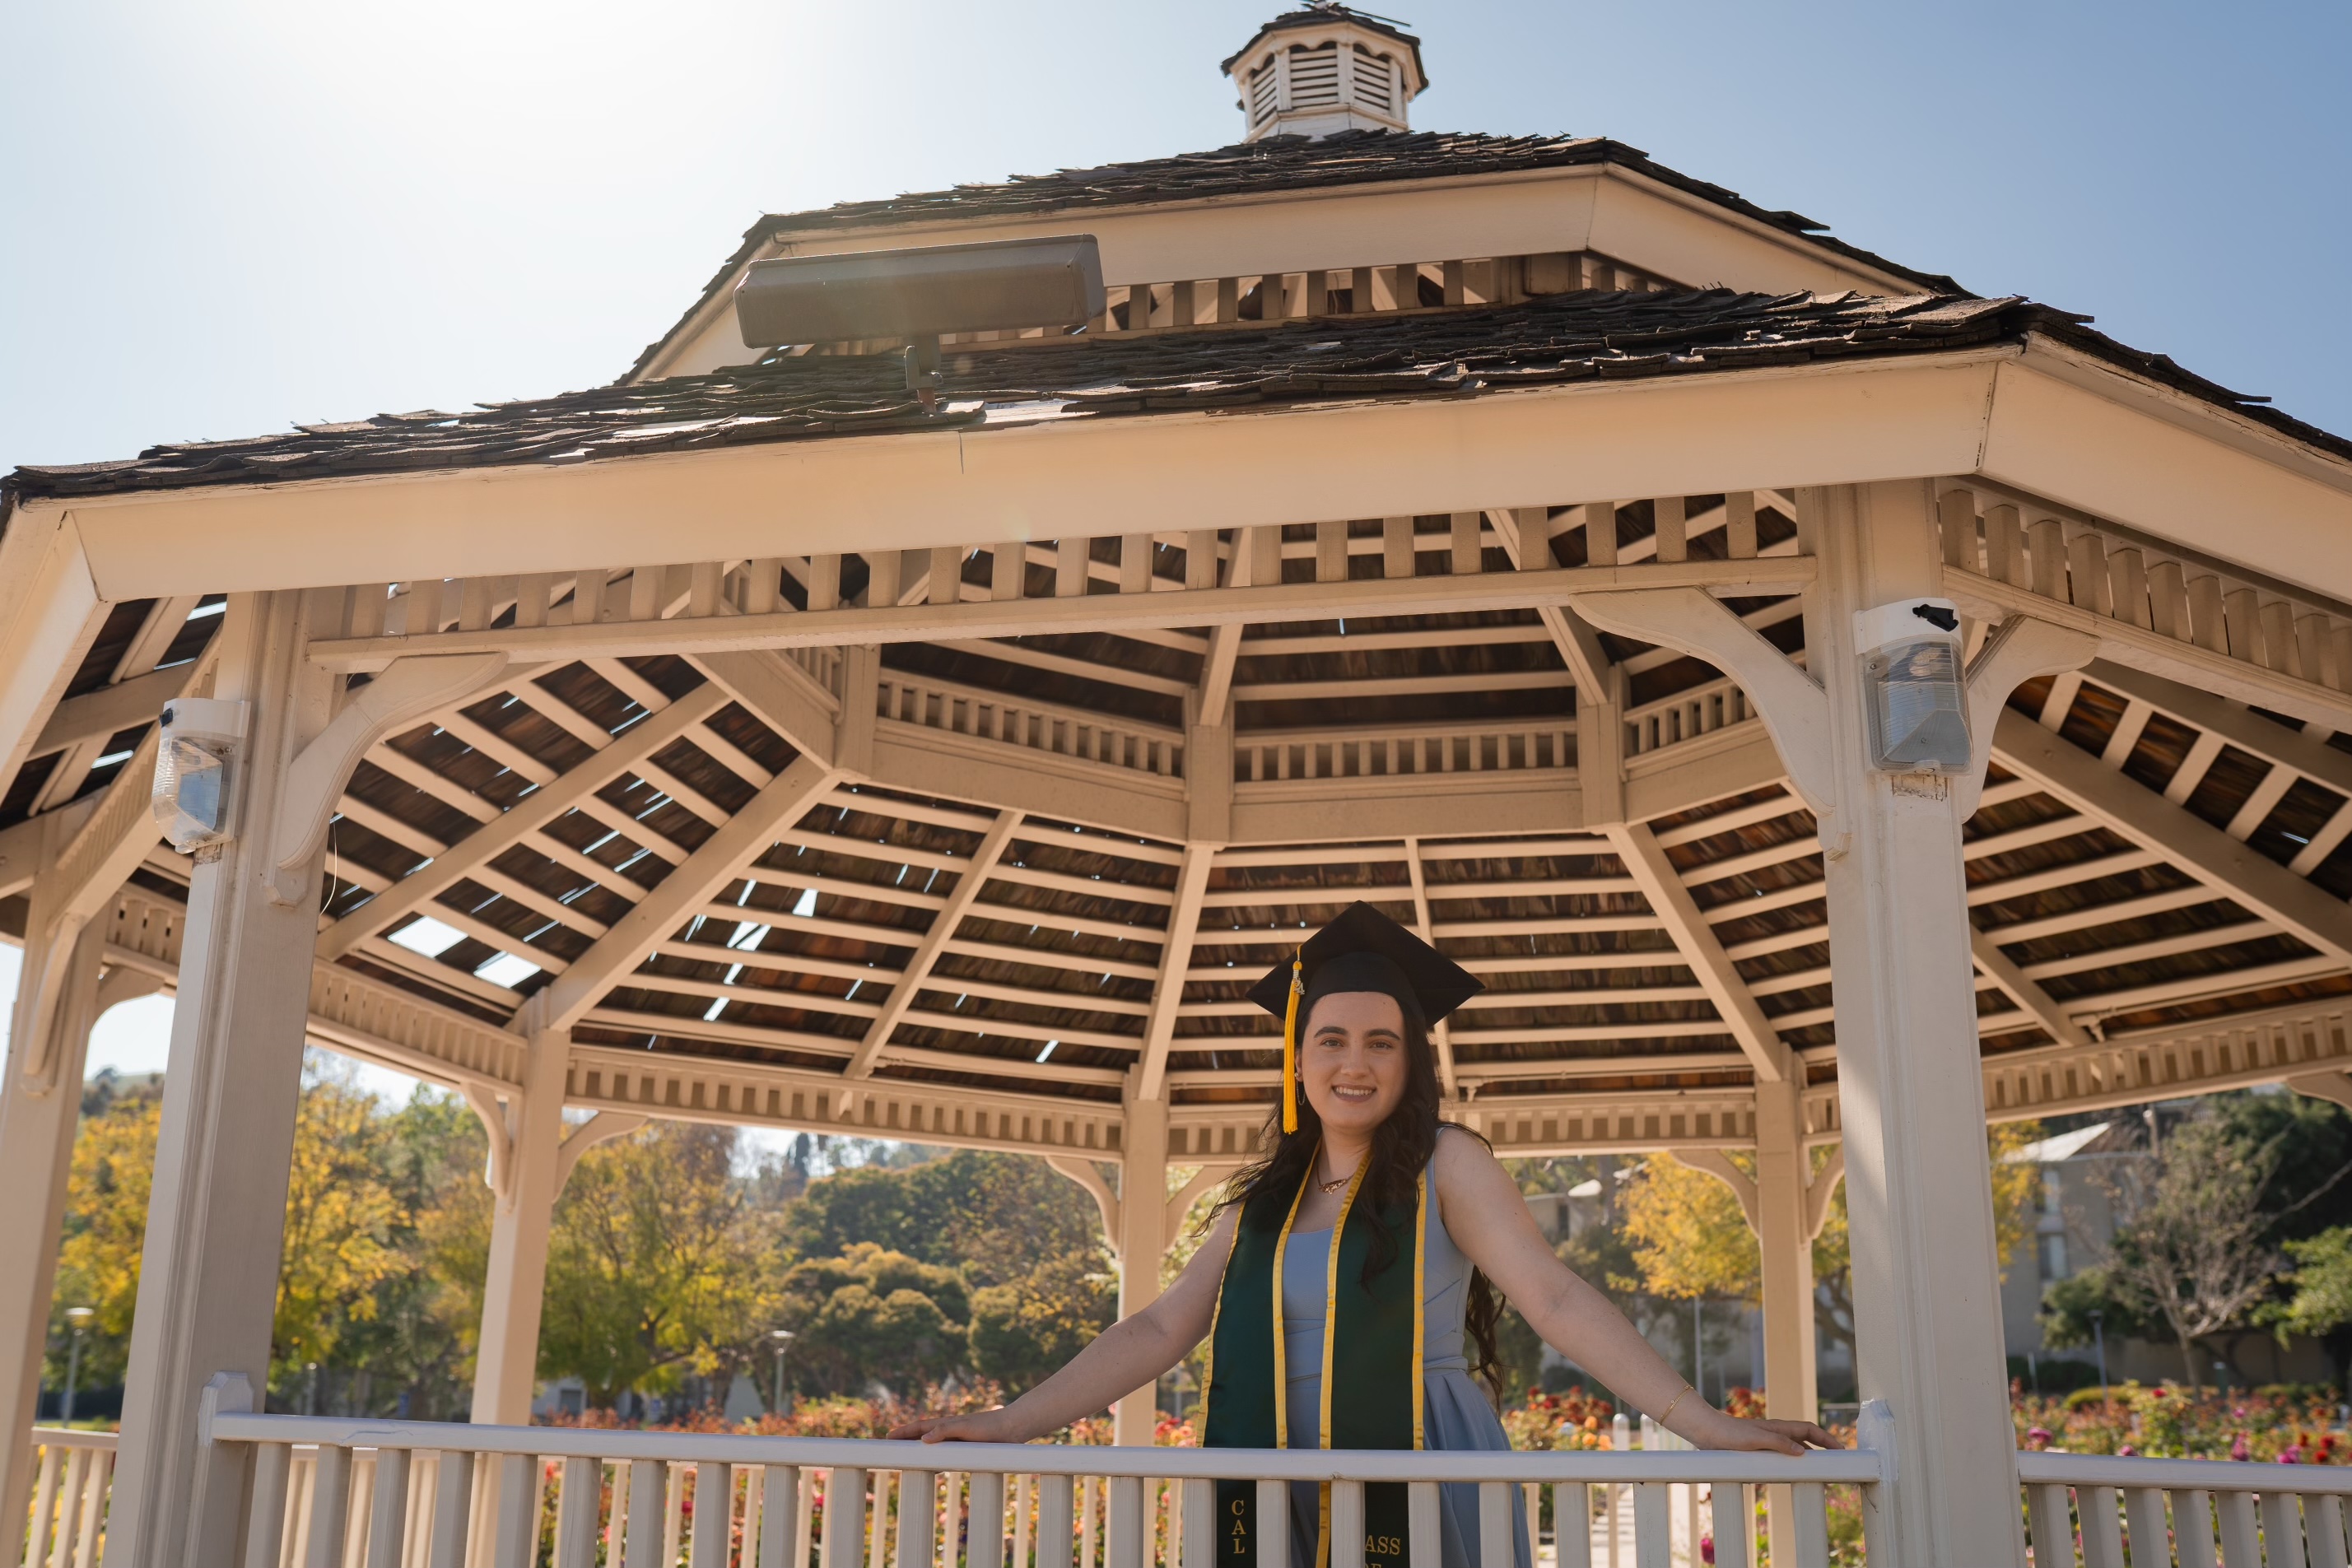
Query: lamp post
{"x": 783, "y": 1337}
{"x": 80, "y": 1318}
{"x": 2099, "y": 1333}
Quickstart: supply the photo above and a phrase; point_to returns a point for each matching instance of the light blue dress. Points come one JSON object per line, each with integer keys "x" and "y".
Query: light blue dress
{"x": 1454, "y": 1410}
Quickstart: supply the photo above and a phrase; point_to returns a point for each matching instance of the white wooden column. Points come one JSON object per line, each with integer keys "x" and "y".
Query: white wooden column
{"x": 527, "y": 1179}
{"x": 1784, "y": 1241}
{"x": 208, "y": 1276}
{"x": 1142, "y": 1242}
{"x": 1919, "y": 1193}
{"x": 40, "y": 1104}
{"x": 1784, "y": 1245}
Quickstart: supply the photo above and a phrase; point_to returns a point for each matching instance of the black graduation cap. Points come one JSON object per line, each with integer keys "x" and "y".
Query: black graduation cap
{"x": 1360, "y": 950}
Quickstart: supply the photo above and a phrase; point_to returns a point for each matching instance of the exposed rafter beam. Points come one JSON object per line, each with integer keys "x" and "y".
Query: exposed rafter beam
{"x": 973, "y": 875}
{"x": 1440, "y": 1036}
{"x": 1175, "y": 959}
{"x": 534, "y": 812}
{"x": 2175, "y": 835}
{"x": 1637, "y": 847}
{"x": 659, "y": 911}
{"x": 2002, "y": 971}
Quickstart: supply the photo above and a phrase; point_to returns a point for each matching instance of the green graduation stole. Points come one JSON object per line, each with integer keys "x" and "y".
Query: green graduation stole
{"x": 1371, "y": 1364}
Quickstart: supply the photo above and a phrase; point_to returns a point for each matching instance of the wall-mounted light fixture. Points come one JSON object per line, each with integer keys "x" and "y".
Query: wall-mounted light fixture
{"x": 918, "y": 295}
{"x": 1912, "y": 685}
{"x": 194, "y": 793}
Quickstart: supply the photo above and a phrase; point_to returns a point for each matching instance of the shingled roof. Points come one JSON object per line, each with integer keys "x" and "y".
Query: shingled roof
{"x": 1252, "y": 168}
{"x": 1584, "y": 336}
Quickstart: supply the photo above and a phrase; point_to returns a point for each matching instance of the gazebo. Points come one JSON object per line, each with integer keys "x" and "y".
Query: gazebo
{"x": 1510, "y": 532}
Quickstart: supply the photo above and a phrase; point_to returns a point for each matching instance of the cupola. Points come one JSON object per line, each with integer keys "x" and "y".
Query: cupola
{"x": 1325, "y": 69}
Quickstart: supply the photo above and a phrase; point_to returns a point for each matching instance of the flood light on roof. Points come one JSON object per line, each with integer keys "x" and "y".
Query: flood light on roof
{"x": 922, "y": 293}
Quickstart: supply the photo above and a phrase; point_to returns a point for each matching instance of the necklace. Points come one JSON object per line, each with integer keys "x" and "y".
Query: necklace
{"x": 1335, "y": 1184}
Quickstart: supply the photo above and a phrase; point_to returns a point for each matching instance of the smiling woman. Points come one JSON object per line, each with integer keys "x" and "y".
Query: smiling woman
{"x": 1345, "y": 1281}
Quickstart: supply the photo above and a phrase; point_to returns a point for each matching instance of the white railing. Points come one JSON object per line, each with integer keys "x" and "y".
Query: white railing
{"x": 1493, "y": 747}
{"x": 1686, "y": 715}
{"x": 1035, "y": 725}
{"x": 361, "y": 1494}
{"x": 71, "y": 1482}
{"x": 2285, "y": 1515}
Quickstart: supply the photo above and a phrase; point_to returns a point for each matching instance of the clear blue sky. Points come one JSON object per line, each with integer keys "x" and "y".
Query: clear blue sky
{"x": 229, "y": 216}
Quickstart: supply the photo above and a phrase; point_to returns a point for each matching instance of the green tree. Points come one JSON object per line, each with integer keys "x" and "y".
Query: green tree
{"x": 659, "y": 1265}
{"x": 871, "y": 1316}
{"x": 1024, "y": 1330}
{"x": 2321, "y": 1305}
{"x": 993, "y": 1216}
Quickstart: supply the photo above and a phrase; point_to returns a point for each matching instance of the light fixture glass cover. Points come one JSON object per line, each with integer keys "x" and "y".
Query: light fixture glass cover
{"x": 1913, "y": 686}
{"x": 196, "y": 766}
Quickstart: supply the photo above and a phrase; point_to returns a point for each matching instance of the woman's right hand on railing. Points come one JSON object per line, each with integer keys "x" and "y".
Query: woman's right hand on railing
{"x": 981, "y": 1426}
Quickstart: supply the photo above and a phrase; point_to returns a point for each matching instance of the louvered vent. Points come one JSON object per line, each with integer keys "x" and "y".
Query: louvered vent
{"x": 1324, "y": 69}
{"x": 1264, "y": 93}
{"x": 1314, "y": 78}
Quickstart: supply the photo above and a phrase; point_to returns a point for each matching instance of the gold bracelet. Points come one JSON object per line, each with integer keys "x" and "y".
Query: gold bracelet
{"x": 1677, "y": 1399}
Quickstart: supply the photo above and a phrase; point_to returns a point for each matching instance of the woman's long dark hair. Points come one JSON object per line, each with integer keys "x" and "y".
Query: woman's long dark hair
{"x": 1402, "y": 1146}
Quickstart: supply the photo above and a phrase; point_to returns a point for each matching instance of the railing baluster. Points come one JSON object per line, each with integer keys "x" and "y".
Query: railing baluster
{"x": 1733, "y": 1522}
{"x": 511, "y": 1540}
{"x": 1199, "y": 1505}
{"x": 2323, "y": 1522}
{"x": 2192, "y": 1529}
{"x": 1653, "y": 1526}
{"x": 1346, "y": 1525}
{"x": 843, "y": 1541}
{"x": 1056, "y": 1523}
{"x": 2240, "y": 1546}
{"x": 918, "y": 1519}
{"x": 453, "y": 1500}
{"x": 2151, "y": 1537}
{"x": 1424, "y": 1537}
{"x": 331, "y": 1503}
{"x": 1124, "y": 1538}
{"x": 1273, "y": 1526}
{"x": 1024, "y": 1490}
{"x": 388, "y": 1516}
{"x": 1495, "y": 1544}
{"x": 780, "y": 1522}
{"x": 1811, "y": 1546}
{"x": 576, "y": 1507}
{"x": 69, "y": 1494}
{"x": 2103, "y": 1538}
{"x": 93, "y": 1508}
{"x": 2282, "y": 1530}
{"x": 266, "y": 1507}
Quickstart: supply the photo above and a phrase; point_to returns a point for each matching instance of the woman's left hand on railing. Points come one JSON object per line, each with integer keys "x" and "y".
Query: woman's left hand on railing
{"x": 981, "y": 1426}
{"x": 1709, "y": 1427}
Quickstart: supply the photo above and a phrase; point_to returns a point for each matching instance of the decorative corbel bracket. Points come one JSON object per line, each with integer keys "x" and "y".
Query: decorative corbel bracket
{"x": 1088, "y": 1175}
{"x": 602, "y": 1127}
{"x": 403, "y": 691}
{"x": 491, "y": 1112}
{"x": 2334, "y": 1087}
{"x": 1820, "y": 1189}
{"x": 1795, "y": 711}
{"x": 1203, "y": 1180}
{"x": 2018, "y": 650}
{"x": 1717, "y": 1163}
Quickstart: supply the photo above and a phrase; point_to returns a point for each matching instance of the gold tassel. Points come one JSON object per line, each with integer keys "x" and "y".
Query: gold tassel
{"x": 1290, "y": 1045}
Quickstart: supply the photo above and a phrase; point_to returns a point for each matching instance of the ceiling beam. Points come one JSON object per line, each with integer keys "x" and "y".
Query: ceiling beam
{"x": 658, "y": 912}
{"x": 1449, "y": 1078}
{"x": 533, "y": 812}
{"x": 2002, "y": 971}
{"x": 2175, "y": 835}
{"x": 973, "y": 874}
{"x": 1175, "y": 960}
{"x": 1671, "y": 902}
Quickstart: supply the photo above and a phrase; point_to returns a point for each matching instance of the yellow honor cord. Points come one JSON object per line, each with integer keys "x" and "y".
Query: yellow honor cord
{"x": 1290, "y": 1047}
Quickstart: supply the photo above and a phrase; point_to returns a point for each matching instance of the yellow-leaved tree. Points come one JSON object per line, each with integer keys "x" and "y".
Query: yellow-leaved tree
{"x": 340, "y": 1214}
{"x": 1689, "y": 1238}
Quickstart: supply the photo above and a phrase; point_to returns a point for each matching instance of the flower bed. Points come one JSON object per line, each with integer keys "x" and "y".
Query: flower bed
{"x": 2286, "y": 1425}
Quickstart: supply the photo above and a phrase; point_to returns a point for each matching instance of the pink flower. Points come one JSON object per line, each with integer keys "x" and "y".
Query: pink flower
{"x": 2037, "y": 1437}
{"x": 2239, "y": 1451}
{"x": 2293, "y": 1456}
{"x": 2127, "y": 1451}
